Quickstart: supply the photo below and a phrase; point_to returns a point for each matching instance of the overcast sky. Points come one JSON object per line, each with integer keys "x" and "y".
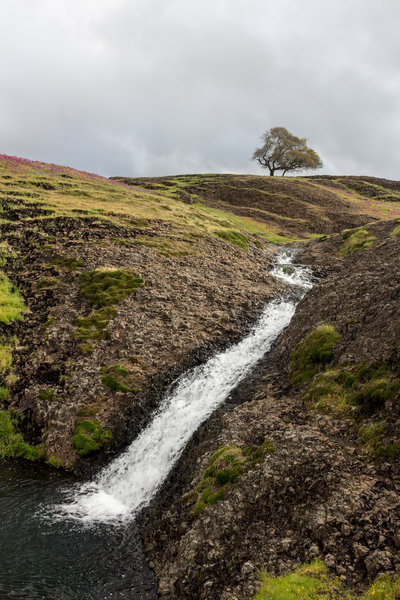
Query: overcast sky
{"x": 161, "y": 87}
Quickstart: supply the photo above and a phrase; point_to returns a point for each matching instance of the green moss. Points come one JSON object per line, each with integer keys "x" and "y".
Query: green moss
{"x": 88, "y": 411}
{"x": 47, "y": 282}
{"x": 89, "y": 436}
{"x": 48, "y": 394}
{"x": 233, "y": 237}
{"x": 314, "y": 351}
{"x": 12, "y": 306}
{"x": 68, "y": 262}
{"x": 110, "y": 375}
{"x": 12, "y": 444}
{"x": 54, "y": 462}
{"x": 93, "y": 326}
{"x": 103, "y": 287}
{"x": 225, "y": 466}
{"x": 5, "y": 357}
{"x": 355, "y": 240}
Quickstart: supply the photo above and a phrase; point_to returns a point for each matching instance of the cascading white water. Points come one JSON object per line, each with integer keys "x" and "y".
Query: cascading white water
{"x": 132, "y": 479}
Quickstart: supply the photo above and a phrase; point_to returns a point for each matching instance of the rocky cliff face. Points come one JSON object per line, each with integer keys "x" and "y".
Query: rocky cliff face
{"x": 329, "y": 486}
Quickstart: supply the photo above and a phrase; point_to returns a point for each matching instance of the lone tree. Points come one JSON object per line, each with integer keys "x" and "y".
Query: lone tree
{"x": 283, "y": 151}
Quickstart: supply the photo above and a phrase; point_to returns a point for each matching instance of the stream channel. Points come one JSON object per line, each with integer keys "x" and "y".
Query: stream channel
{"x": 63, "y": 540}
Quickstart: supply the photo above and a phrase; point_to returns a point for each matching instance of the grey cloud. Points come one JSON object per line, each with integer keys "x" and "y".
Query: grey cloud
{"x": 152, "y": 87}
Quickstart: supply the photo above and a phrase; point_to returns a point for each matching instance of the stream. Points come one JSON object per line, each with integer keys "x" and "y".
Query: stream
{"x": 62, "y": 540}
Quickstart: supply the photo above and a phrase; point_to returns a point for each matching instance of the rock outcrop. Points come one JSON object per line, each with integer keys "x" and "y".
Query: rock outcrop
{"x": 327, "y": 490}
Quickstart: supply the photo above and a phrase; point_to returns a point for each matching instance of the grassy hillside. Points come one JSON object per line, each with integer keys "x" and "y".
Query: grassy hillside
{"x": 292, "y": 206}
{"x": 41, "y": 192}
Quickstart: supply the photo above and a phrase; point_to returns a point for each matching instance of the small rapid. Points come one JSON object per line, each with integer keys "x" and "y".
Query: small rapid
{"x": 129, "y": 483}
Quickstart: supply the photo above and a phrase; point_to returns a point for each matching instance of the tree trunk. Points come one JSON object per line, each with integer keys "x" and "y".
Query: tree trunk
{"x": 271, "y": 171}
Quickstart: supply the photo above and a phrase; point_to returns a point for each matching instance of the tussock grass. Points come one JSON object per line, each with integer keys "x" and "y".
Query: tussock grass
{"x": 315, "y": 351}
{"x": 356, "y": 240}
{"x": 12, "y": 444}
{"x": 313, "y": 581}
{"x": 360, "y": 389}
{"x": 12, "y": 306}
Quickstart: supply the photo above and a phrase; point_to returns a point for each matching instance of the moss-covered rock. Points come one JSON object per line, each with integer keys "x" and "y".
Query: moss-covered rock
{"x": 89, "y": 436}
{"x": 93, "y": 327}
{"x": 105, "y": 287}
{"x": 115, "y": 377}
{"x": 314, "y": 352}
{"x": 226, "y": 465}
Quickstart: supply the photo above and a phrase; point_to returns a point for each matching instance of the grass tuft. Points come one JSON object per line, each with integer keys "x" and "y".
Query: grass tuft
{"x": 372, "y": 436}
{"x": 12, "y": 306}
{"x": 233, "y": 237}
{"x": 355, "y": 240}
{"x": 314, "y": 351}
{"x": 364, "y": 388}
{"x": 12, "y": 444}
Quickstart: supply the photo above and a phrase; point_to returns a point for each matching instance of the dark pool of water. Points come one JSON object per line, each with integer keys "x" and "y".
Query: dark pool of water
{"x": 60, "y": 560}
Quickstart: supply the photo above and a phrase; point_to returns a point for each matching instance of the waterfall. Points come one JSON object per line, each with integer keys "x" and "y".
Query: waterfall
{"x": 131, "y": 480}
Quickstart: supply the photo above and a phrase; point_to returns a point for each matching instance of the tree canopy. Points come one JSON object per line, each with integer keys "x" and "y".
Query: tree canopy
{"x": 283, "y": 151}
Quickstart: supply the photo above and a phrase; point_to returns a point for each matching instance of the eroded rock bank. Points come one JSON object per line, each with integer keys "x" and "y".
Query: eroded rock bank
{"x": 304, "y": 460}
{"x": 113, "y": 318}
